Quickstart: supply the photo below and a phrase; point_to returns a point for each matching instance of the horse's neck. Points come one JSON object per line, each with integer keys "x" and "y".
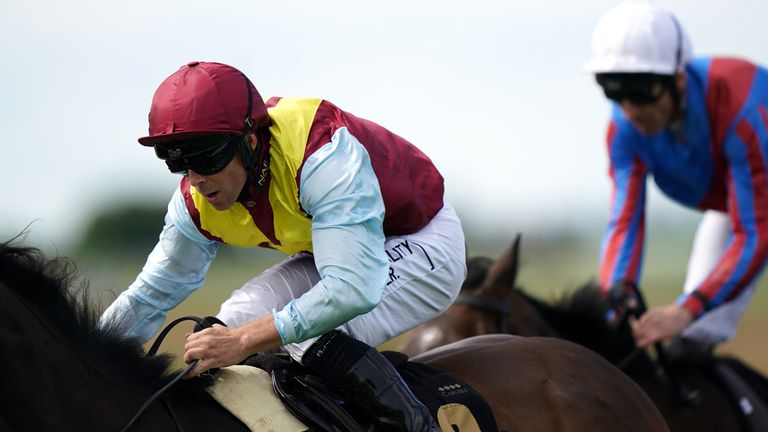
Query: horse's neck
{"x": 525, "y": 318}
{"x": 577, "y": 320}
{"x": 53, "y": 386}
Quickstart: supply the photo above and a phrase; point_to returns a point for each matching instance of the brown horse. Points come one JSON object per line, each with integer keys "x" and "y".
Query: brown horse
{"x": 61, "y": 372}
{"x": 491, "y": 303}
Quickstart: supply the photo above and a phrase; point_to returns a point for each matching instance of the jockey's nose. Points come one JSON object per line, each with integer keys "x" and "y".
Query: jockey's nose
{"x": 195, "y": 178}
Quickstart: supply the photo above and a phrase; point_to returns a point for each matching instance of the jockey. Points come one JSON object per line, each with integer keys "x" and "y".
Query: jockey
{"x": 374, "y": 250}
{"x": 699, "y": 126}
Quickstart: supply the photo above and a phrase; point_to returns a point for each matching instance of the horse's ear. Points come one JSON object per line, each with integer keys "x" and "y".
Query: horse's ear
{"x": 502, "y": 274}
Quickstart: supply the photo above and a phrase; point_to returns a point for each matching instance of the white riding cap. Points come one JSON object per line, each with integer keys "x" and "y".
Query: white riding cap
{"x": 637, "y": 37}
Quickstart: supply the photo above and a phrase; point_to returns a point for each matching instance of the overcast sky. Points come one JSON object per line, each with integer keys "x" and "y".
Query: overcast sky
{"x": 492, "y": 91}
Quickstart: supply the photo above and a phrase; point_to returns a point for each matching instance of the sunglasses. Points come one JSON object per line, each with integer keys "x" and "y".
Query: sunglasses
{"x": 638, "y": 88}
{"x": 204, "y": 155}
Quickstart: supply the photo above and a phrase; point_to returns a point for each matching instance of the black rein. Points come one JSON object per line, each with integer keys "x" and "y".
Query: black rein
{"x": 152, "y": 351}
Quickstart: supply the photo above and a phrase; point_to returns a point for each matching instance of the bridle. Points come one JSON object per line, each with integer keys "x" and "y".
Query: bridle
{"x": 618, "y": 299}
{"x": 152, "y": 351}
{"x": 500, "y": 308}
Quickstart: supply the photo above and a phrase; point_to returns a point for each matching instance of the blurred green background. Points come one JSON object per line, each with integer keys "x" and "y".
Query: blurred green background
{"x": 554, "y": 261}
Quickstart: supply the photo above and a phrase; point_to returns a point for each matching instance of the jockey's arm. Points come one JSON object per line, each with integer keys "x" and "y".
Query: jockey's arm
{"x": 175, "y": 268}
{"x": 339, "y": 189}
{"x": 622, "y": 245}
{"x": 747, "y": 250}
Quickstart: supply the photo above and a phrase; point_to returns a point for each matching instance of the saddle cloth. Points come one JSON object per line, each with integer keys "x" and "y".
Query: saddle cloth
{"x": 454, "y": 404}
{"x": 247, "y": 393}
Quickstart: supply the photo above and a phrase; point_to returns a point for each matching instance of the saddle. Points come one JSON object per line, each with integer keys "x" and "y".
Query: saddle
{"x": 744, "y": 387}
{"x": 453, "y": 404}
{"x": 748, "y": 390}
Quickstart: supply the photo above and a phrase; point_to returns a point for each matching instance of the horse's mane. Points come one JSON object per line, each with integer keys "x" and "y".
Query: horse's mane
{"x": 45, "y": 285}
{"x": 580, "y": 316}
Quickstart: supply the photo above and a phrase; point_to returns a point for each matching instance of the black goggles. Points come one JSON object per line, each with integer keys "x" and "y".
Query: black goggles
{"x": 205, "y": 155}
{"x": 638, "y": 88}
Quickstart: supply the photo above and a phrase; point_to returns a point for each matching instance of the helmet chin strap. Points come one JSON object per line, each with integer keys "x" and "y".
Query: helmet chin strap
{"x": 246, "y": 153}
{"x": 256, "y": 163}
{"x": 677, "y": 120}
{"x": 677, "y": 97}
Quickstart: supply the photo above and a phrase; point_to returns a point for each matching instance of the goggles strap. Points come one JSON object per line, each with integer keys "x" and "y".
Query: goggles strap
{"x": 675, "y": 93}
{"x": 245, "y": 148}
{"x": 256, "y": 161}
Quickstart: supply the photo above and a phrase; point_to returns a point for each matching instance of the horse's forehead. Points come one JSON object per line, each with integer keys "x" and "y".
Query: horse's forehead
{"x": 477, "y": 268}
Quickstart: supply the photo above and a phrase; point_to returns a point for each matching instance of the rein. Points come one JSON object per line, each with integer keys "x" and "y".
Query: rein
{"x": 683, "y": 392}
{"x": 152, "y": 351}
{"x": 500, "y": 308}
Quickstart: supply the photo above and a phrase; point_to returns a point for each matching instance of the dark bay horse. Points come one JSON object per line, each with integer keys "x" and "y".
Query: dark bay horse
{"x": 490, "y": 302}
{"x": 63, "y": 373}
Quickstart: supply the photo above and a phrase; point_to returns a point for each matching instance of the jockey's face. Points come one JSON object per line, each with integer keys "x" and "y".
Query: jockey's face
{"x": 650, "y": 118}
{"x": 221, "y": 189}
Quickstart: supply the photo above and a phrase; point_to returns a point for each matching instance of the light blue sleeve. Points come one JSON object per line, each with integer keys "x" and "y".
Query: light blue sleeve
{"x": 339, "y": 189}
{"x": 174, "y": 269}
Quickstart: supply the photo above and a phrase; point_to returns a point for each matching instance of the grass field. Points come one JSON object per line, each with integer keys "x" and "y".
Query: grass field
{"x": 549, "y": 268}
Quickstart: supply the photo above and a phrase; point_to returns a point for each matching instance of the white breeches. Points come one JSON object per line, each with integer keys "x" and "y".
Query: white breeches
{"x": 426, "y": 270}
{"x": 711, "y": 239}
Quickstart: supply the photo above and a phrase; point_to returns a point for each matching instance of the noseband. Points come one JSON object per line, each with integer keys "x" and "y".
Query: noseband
{"x": 500, "y": 308}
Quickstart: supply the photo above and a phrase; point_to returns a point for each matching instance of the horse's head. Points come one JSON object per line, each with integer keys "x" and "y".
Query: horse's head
{"x": 491, "y": 296}
{"x": 578, "y": 316}
{"x": 489, "y": 302}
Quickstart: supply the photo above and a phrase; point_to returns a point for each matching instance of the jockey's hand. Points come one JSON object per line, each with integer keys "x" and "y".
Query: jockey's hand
{"x": 214, "y": 347}
{"x": 220, "y": 346}
{"x": 660, "y": 323}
